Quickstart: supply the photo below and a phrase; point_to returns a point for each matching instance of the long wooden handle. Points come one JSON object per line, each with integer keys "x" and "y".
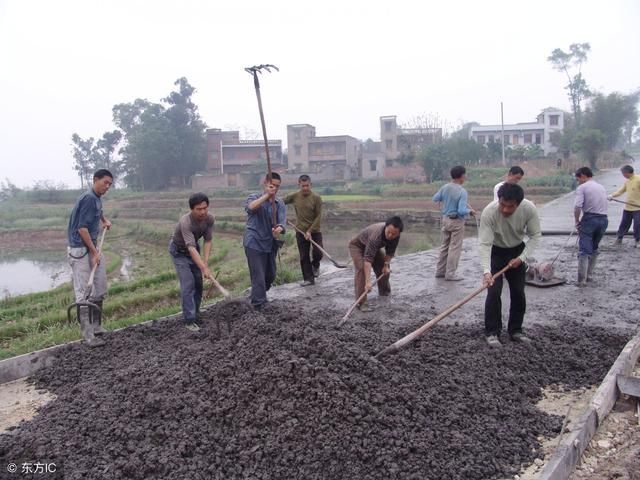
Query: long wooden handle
{"x": 95, "y": 267}
{"x": 225, "y": 293}
{"x": 427, "y": 326}
{"x": 346, "y": 315}
{"x": 311, "y": 240}
{"x": 626, "y": 203}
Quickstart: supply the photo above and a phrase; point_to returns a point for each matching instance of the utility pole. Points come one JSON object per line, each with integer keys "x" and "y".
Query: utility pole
{"x": 504, "y": 162}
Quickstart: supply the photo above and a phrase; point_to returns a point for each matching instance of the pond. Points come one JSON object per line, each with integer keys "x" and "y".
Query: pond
{"x": 20, "y": 276}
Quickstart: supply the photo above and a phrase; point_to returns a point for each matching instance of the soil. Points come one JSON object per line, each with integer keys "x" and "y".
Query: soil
{"x": 285, "y": 394}
{"x": 14, "y": 242}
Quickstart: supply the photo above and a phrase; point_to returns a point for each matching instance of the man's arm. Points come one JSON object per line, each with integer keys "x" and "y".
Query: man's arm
{"x": 576, "y": 215}
{"x": 86, "y": 239}
{"x": 618, "y": 192}
{"x": 534, "y": 232}
{"x": 485, "y": 237}
{"x": 204, "y": 267}
{"x": 315, "y": 225}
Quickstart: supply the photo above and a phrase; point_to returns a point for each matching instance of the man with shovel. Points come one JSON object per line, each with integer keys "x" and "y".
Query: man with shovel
{"x": 503, "y": 226}
{"x": 366, "y": 252}
{"x": 266, "y": 216}
{"x": 185, "y": 254}
{"x": 631, "y": 211}
{"x": 308, "y": 207}
{"x": 85, "y": 223}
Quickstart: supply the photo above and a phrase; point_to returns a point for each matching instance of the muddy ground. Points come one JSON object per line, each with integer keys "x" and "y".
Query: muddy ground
{"x": 287, "y": 395}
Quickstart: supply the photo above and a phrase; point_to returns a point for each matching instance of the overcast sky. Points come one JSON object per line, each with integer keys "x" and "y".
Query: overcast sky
{"x": 343, "y": 64}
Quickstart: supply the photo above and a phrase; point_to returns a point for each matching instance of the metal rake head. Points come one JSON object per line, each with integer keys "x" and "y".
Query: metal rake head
{"x": 259, "y": 68}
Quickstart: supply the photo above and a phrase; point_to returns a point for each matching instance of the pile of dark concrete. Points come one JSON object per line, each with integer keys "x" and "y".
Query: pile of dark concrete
{"x": 283, "y": 394}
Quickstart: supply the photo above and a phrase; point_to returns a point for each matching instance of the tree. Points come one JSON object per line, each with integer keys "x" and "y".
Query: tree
{"x": 161, "y": 144}
{"x": 464, "y": 130}
{"x": 577, "y": 86}
{"x": 83, "y": 151}
{"x": 590, "y": 143}
{"x": 613, "y": 115}
{"x": 437, "y": 160}
{"x": 104, "y": 152}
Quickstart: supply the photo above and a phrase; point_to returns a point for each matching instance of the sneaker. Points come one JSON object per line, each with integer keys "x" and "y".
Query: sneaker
{"x": 192, "y": 326}
{"x": 364, "y": 307}
{"x": 493, "y": 341}
{"x": 316, "y": 271}
{"x": 455, "y": 278}
{"x": 307, "y": 283}
{"x": 618, "y": 241}
{"x": 519, "y": 337}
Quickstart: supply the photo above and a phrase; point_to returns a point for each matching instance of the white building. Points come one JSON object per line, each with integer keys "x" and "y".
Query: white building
{"x": 539, "y": 133}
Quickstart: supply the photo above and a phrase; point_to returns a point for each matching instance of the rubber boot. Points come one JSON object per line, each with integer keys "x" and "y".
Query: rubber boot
{"x": 96, "y": 319}
{"x": 86, "y": 327}
{"x": 583, "y": 265}
{"x": 593, "y": 259}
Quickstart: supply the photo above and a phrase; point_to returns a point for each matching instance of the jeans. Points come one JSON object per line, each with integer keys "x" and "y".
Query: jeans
{"x": 625, "y": 222}
{"x": 500, "y": 257}
{"x": 592, "y": 228}
{"x": 191, "y": 285}
{"x": 307, "y": 264}
{"x": 262, "y": 270}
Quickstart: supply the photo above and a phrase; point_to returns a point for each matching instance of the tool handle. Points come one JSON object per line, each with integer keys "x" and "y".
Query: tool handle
{"x": 346, "y": 315}
{"x": 95, "y": 267}
{"x": 626, "y": 203}
{"x": 427, "y": 326}
{"x": 225, "y": 293}
{"x": 311, "y": 240}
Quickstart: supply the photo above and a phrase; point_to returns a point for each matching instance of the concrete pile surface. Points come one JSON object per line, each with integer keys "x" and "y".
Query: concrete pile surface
{"x": 286, "y": 395}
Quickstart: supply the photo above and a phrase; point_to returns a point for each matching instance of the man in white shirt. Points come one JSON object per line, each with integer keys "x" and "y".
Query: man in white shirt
{"x": 514, "y": 175}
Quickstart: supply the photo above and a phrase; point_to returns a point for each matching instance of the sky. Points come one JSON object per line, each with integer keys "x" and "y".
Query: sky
{"x": 343, "y": 64}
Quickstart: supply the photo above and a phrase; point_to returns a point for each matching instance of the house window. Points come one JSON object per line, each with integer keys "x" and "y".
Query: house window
{"x": 491, "y": 139}
{"x": 387, "y": 126}
{"x": 298, "y": 149}
{"x": 480, "y": 139}
{"x": 388, "y": 144}
{"x": 527, "y": 138}
{"x": 554, "y": 119}
{"x": 373, "y": 165}
{"x": 230, "y": 154}
{"x": 506, "y": 139}
{"x": 389, "y": 163}
{"x": 297, "y": 134}
{"x": 516, "y": 139}
{"x": 538, "y": 139}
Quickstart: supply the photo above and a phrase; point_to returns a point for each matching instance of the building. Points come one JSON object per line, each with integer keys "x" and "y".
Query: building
{"x": 373, "y": 159}
{"x": 335, "y": 157}
{"x": 227, "y": 154}
{"x": 549, "y": 121}
{"x": 401, "y": 144}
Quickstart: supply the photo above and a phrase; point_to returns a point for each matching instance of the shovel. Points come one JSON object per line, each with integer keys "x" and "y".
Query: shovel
{"x": 427, "y": 326}
{"x": 346, "y": 315}
{"x": 85, "y": 302}
{"x": 324, "y": 252}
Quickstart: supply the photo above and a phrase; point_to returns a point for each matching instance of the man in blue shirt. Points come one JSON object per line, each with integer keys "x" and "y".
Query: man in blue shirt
{"x": 261, "y": 237}
{"x": 85, "y": 224}
{"x": 453, "y": 199}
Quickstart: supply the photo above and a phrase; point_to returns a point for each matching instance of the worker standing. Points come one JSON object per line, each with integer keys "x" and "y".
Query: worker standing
{"x": 591, "y": 202}
{"x": 453, "y": 200}
{"x": 184, "y": 249}
{"x": 85, "y": 223}
{"x": 308, "y": 207}
{"x": 631, "y": 211}
{"x": 514, "y": 175}
{"x": 503, "y": 227}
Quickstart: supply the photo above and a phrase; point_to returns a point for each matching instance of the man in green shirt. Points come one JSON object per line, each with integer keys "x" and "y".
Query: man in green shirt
{"x": 308, "y": 206}
{"x": 503, "y": 226}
